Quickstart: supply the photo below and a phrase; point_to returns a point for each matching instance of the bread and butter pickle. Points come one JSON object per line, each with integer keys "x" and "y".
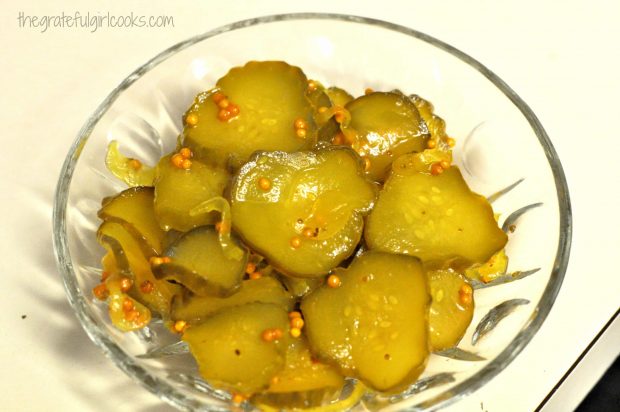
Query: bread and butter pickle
{"x": 451, "y": 310}
{"x": 231, "y": 349}
{"x": 181, "y": 186}
{"x": 196, "y": 260}
{"x": 194, "y": 308}
{"x": 251, "y": 108}
{"x": 383, "y": 126}
{"x": 303, "y": 211}
{"x": 436, "y": 218}
{"x": 373, "y": 322}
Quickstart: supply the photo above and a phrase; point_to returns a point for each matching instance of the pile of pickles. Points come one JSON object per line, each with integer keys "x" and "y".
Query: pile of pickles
{"x": 298, "y": 236}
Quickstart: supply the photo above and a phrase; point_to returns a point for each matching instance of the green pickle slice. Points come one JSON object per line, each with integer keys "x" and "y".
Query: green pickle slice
{"x": 133, "y": 208}
{"x": 302, "y": 211}
{"x": 303, "y": 382}
{"x": 123, "y": 318}
{"x": 333, "y": 98}
{"x": 436, "y": 218}
{"x": 118, "y": 315}
{"x": 435, "y": 124}
{"x": 230, "y": 351}
{"x": 490, "y": 270}
{"x": 195, "y": 309}
{"x": 177, "y": 191}
{"x": 383, "y": 126}
{"x": 327, "y": 126}
{"x": 303, "y": 373}
{"x": 318, "y": 97}
{"x": 300, "y": 287}
{"x": 270, "y": 96}
{"x": 451, "y": 310}
{"x": 229, "y": 244}
{"x": 131, "y": 171}
{"x": 156, "y": 294}
{"x": 199, "y": 263}
{"x": 338, "y": 96}
{"x": 374, "y": 325}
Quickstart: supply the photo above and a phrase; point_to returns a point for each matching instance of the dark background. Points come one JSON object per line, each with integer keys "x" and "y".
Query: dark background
{"x": 605, "y": 396}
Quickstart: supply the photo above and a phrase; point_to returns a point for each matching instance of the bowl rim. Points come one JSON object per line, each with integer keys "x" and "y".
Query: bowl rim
{"x": 167, "y": 392}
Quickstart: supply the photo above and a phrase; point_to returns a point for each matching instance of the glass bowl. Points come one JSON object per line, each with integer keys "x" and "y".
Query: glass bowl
{"x": 500, "y": 143}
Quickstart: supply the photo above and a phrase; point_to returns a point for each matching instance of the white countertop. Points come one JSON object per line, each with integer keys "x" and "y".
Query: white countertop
{"x": 562, "y": 58}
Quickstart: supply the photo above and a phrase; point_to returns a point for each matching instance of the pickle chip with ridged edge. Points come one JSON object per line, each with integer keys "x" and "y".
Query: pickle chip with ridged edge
{"x": 373, "y": 326}
{"x": 133, "y": 208}
{"x": 198, "y": 262}
{"x": 302, "y": 211}
{"x": 436, "y": 218}
{"x": 269, "y": 97}
{"x": 231, "y": 352}
{"x": 383, "y": 126}
{"x": 177, "y": 191}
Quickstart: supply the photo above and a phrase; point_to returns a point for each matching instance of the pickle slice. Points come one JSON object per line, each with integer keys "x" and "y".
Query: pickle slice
{"x": 327, "y": 126}
{"x": 126, "y": 313}
{"x": 129, "y": 261}
{"x": 328, "y": 131}
{"x": 451, "y": 310}
{"x": 131, "y": 171}
{"x": 435, "y": 124}
{"x": 303, "y": 382}
{"x": 120, "y": 317}
{"x": 374, "y": 325}
{"x": 218, "y": 204}
{"x": 133, "y": 208}
{"x": 195, "y": 309}
{"x": 493, "y": 268}
{"x": 382, "y": 127}
{"x": 270, "y": 96}
{"x": 230, "y": 350}
{"x": 303, "y": 373}
{"x": 338, "y": 96}
{"x": 300, "y": 287}
{"x": 109, "y": 266}
{"x": 302, "y": 211}
{"x": 436, "y": 218}
{"x": 318, "y": 97}
{"x": 335, "y": 99}
{"x": 177, "y": 191}
{"x": 199, "y": 263}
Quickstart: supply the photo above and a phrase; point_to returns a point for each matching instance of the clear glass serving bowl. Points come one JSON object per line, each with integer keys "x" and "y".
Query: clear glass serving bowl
{"x": 499, "y": 142}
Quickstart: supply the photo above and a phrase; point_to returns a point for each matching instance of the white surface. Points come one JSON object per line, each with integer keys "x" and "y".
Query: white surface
{"x": 562, "y": 60}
